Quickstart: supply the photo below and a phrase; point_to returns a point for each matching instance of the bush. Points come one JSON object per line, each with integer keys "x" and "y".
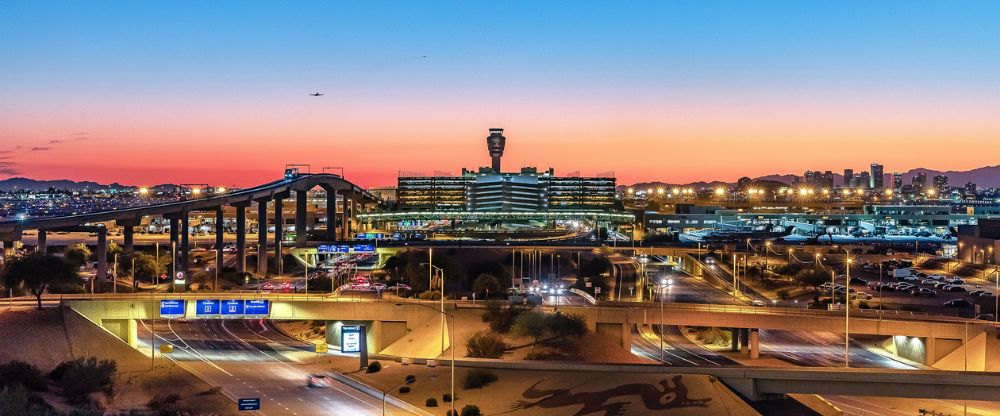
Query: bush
{"x": 410, "y": 378}
{"x": 501, "y": 319}
{"x": 563, "y": 325}
{"x": 446, "y": 398}
{"x": 374, "y": 367}
{"x": 469, "y": 410}
{"x": 81, "y": 377}
{"x": 485, "y": 344}
{"x": 164, "y": 402}
{"x": 715, "y": 336}
{"x": 20, "y": 372}
{"x": 430, "y": 295}
{"x": 477, "y": 378}
{"x": 404, "y": 389}
{"x": 431, "y": 402}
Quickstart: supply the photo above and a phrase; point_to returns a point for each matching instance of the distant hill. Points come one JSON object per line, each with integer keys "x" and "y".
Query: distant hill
{"x": 18, "y": 184}
{"x": 984, "y": 177}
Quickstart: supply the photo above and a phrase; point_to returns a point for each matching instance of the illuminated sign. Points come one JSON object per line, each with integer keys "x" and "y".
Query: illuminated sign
{"x": 171, "y": 308}
{"x": 256, "y": 308}
{"x": 232, "y": 308}
{"x": 350, "y": 339}
{"x": 207, "y": 307}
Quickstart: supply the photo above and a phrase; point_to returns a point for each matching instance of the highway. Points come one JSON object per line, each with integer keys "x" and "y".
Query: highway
{"x": 251, "y": 358}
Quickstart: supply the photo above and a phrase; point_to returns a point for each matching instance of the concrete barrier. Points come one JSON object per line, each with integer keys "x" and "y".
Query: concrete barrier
{"x": 377, "y": 394}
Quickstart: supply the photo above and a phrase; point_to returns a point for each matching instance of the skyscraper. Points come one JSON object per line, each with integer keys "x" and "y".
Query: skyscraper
{"x": 897, "y": 180}
{"x": 877, "y": 176}
{"x": 848, "y": 177}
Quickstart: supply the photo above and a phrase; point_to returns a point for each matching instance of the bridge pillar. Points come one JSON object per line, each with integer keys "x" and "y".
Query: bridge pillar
{"x": 279, "y": 234}
{"x": 42, "y": 246}
{"x": 8, "y": 249}
{"x": 128, "y": 233}
{"x": 734, "y": 340}
{"x": 185, "y": 248}
{"x": 300, "y": 218}
{"x": 102, "y": 255}
{"x": 220, "y": 231}
{"x": 124, "y": 329}
{"x": 754, "y": 343}
{"x": 331, "y": 214}
{"x": 344, "y": 221}
{"x": 262, "y": 238}
{"x": 241, "y": 238}
{"x": 744, "y": 340}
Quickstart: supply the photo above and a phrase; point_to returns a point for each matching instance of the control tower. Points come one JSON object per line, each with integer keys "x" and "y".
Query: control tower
{"x": 495, "y": 143}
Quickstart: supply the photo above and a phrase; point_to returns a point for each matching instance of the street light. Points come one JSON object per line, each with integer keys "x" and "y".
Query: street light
{"x": 452, "y": 347}
{"x": 409, "y": 380}
{"x": 663, "y": 285}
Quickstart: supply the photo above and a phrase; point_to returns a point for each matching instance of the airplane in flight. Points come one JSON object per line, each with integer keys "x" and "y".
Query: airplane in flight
{"x": 317, "y": 94}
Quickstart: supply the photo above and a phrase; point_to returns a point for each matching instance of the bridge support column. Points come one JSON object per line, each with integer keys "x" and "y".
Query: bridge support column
{"x": 42, "y": 246}
{"x": 8, "y": 249}
{"x": 744, "y": 340}
{"x": 754, "y": 343}
{"x": 102, "y": 255}
{"x": 331, "y": 214}
{"x": 185, "y": 248}
{"x": 734, "y": 340}
{"x": 300, "y": 218}
{"x": 344, "y": 221}
{"x": 220, "y": 231}
{"x": 125, "y": 329}
{"x": 128, "y": 234}
{"x": 262, "y": 238}
{"x": 279, "y": 234}
{"x": 241, "y": 238}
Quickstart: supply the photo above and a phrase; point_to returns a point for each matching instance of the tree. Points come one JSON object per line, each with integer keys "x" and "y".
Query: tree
{"x": 811, "y": 277}
{"x": 79, "y": 254}
{"x": 36, "y": 271}
{"x": 486, "y": 283}
{"x": 146, "y": 267}
{"x": 595, "y": 267}
{"x": 529, "y": 324}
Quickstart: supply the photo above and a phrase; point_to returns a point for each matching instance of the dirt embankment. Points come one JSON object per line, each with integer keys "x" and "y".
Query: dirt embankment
{"x": 48, "y": 337}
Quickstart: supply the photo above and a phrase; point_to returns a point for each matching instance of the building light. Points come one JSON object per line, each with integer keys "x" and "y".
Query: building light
{"x": 143, "y": 191}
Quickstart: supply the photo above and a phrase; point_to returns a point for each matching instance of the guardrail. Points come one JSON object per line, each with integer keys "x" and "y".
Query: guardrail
{"x": 590, "y": 299}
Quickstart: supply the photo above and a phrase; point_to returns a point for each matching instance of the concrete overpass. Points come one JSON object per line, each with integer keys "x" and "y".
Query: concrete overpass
{"x": 389, "y": 322}
{"x": 925, "y": 339}
{"x": 355, "y": 200}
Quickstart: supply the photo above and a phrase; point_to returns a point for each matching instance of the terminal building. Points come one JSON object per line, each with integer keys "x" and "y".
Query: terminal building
{"x": 492, "y": 195}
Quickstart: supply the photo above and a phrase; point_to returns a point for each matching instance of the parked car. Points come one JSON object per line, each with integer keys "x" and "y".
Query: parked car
{"x": 935, "y": 276}
{"x": 956, "y": 281}
{"x": 958, "y": 303}
{"x": 928, "y": 282}
{"x": 953, "y": 288}
{"x": 858, "y": 281}
{"x": 940, "y": 285}
{"x": 985, "y": 294}
{"x": 986, "y": 317}
{"x": 922, "y": 291}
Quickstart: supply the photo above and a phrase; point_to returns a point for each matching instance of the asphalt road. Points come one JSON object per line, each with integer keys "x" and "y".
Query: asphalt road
{"x": 250, "y": 358}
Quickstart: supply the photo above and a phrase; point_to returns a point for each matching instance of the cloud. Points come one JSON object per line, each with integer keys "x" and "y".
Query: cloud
{"x": 80, "y": 138}
{"x": 55, "y": 141}
{"x": 79, "y": 134}
{"x": 39, "y": 149}
{"x": 4, "y": 152}
{"x": 7, "y": 168}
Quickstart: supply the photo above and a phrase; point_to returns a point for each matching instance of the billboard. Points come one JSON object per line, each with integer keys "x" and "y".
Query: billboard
{"x": 171, "y": 308}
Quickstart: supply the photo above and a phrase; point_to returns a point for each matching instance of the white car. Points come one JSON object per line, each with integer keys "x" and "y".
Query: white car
{"x": 935, "y": 276}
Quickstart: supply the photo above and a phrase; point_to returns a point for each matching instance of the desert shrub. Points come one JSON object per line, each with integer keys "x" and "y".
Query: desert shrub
{"x": 485, "y": 344}
{"x": 468, "y": 410}
{"x": 410, "y": 378}
{"x": 430, "y": 295}
{"x": 164, "y": 402}
{"x": 374, "y": 367}
{"x": 431, "y": 402}
{"x": 501, "y": 318}
{"x": 80, "y": 377}
{"x": 478, "y": 378}
{"x": 446, "y": 398}
{"x": 404, "y": 389}
{"x": 25, "y": 374}
{"x": 562, "y": 325}
{"x": 715, "y": 336}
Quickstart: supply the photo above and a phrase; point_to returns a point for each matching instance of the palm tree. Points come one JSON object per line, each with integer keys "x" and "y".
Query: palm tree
{"x": 35, "y": 272}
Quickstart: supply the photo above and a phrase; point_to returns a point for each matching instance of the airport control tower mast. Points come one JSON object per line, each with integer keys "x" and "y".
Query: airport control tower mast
{"x": 495, "y": 143}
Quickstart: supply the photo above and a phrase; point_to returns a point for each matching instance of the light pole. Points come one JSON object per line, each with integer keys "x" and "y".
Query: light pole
{"x": 452, "y": 317}
{"x": 409, "y": 380}
{"x": 663, "y": 287}
{"x": 767, "y": 246}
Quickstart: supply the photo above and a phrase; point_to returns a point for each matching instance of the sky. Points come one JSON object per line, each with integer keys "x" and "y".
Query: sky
{"x": 216, "y": 92}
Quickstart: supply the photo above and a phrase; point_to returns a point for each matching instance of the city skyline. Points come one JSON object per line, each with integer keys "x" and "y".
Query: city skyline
{"x": 687, "y": 92}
